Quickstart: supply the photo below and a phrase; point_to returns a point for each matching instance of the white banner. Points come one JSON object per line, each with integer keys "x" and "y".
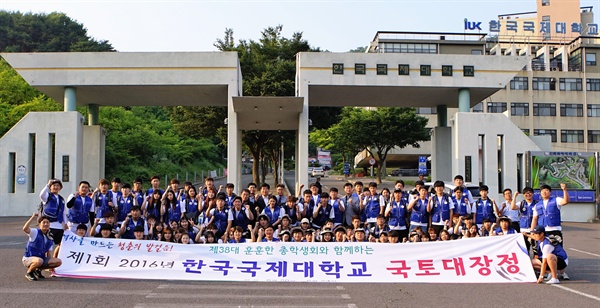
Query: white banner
{"x": 498, "y": 259}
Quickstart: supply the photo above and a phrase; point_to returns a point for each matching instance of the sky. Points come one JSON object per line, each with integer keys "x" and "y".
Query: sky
{"x": 333, "y": 25}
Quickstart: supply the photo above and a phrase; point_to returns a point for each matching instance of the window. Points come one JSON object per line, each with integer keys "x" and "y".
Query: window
{"x": 519, "y": 109}
{"x": 476, "y": 51}
{"x": 571, "y": 136}
{"x": 593, "y": 84}
{"x": 571, "y": 110}
{"x": 426, "y": 110}
{"x": 496, "y": 107}
{"x": 545, "y": 2}
{"x": 593, "y": 110}
{"x": 544, "y": 110}
{"x": 544, "y": 132}
{"x": 570, "y": 84}
{"x": 478, "y": 107}
{"x": 407, "y": 48}
{"x": 543, "y": 83}
{"x": 593, "y": 136}
{"x": 525, "y": 131}
{"x": 590, "y": 59}
{"x": 519, "y": 83}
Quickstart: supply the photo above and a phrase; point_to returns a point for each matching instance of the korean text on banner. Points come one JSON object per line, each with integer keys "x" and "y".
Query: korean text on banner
{"x": 498, "y": 259}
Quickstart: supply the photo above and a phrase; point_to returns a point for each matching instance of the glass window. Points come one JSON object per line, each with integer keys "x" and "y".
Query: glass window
{"x": 593, "y": 110}
{"x": 593, "y": 84}
{"x": 476, "y": 52}
{"x": 426, "y": 110}
{"x": 543, "y": 83}
{"x": 570, "y": 84}
{"x": 519, "y": 109}
{"x": 593, "y": 136}
{"x": 590, "y": 59}
{"x": 478, "y": 107}
{"x": 571, "y": 136}
{"x": 519, "y": 83}
{"x": 525, "y": 131}
{"x": 409, "y": 48}
{"x": 545, "y": 2}
{"x": 544, "y": 132}
{"x": 496, "y": 107}
{"x": 571, "y": 110}
{"x": 544, "y": 110}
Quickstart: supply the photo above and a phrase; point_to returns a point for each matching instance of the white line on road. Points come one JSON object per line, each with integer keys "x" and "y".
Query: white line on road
{"x": 238, "y": 286}
{"x": 577, "y": 292}
{"x": 241, "y": 296}
{"x": 589, "y": 253}
{"x": 341, "y": 288}
{"x": 54, "y": 291}
{"x": 163, "y": 305}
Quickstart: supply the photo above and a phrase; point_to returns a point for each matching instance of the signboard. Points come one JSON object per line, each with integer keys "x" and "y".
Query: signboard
{"x": 403, "y": 69}
{"x": 495, "y": 259}
{"x": 372, "y": 161}
{"x": 21, "y": 175}
{"x": 468, "y": 169}
{"x": 65, "y": 168}
{"x": 360, "y": 68}
{"x": 546, "y": 27}
{"x": 422, "y": 165}
{"x": 324, "y": 158}
{"x": 338, "y": 68}
{"x": 576, "y": 169}
{"x": 346, "y": 168}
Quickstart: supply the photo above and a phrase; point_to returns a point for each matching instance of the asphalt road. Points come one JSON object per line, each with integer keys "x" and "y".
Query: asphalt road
{"x": 582, "y": 243}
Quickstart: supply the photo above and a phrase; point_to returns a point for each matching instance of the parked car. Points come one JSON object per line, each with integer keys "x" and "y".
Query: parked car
{"x": 318, "y": 172}
{"x": 310, "y": 169}
{"x": 395, "y": 172}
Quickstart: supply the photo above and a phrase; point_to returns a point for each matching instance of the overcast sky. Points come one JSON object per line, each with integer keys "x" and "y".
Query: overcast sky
{"x": 334, "y": 25}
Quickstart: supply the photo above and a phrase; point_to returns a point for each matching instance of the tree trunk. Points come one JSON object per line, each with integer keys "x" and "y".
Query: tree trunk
{"x": 255, "y": 165}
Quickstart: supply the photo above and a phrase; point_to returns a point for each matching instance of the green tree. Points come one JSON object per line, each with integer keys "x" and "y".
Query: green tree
{"x": 376, "y": 130}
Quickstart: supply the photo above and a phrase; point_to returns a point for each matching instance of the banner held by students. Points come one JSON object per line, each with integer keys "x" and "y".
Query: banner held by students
{"x": 497, "y": 259}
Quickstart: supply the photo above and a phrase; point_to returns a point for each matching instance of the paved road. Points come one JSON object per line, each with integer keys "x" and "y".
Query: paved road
{"x": 582, "y": 243}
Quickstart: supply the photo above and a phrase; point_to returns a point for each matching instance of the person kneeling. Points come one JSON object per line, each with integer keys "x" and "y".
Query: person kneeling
{"x": 553, "y": 256}
{"x": 37, "y": 256}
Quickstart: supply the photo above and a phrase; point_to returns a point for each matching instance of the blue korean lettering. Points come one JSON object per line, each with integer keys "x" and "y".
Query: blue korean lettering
{"x": 249, "y": 269}
{"x": 307, "y": 268}
{"x": 511, "y": 25}
{"x": 576, "y": 27}
{"x": 561, "y": 27}
{"x": 190, "y": 264}
{"x": 279, "y": 267}
{"x": 529, "y": 26}
{"x": 222, "y": 268}
{"x": 330, "y": 268}
{"x": 360, "y": 270}
{"x": 494, "y": 26}
{"x": 592, "y": 29}
{"x": 545, "y": 27}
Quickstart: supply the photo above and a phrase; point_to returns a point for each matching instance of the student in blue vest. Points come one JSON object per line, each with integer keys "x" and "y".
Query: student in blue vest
{"x": 546, "y": 213}
{"x": 155, "y": 183}
{"x": 459, "y": 181}
{"x": 373, "y": 206}
{"x": 553, "y": 256}
{"x": 218, "y": 217}
{"x": 80, "y": 207}
{"x": 322, "y": 212}
{"x": 103, "y": 199}
{"x": 237, "y": 236}
{"x": 380, "y": 227}
{"x": 133, "y": 220}
{"x": 138, "y": 192}
{"x": 462, "y": 207}
{"x": 397, "y": 214}
{"x": 306, "y": 205}
{"x": 229, "y": 195}
{"x": 504, "y": 227}
{"x": 37, "y": 253}
{"x": 484, "y": 207}
{"x": 338, "y": 205}
{"x": 267, "y": 234}
{"x": 240, "y": 216}
{"x": 419, "y": 216}
{"x": 273, "y": 211}
{"x": 115, "y": 189}
{"x": 171, "y": 208}
{"x": 54, "y": 209}
{"x": 525, "y": 209}
{"x": 292, "y": 209}
{"x": 124, "y": 203}
{"x": 440, "y": 208}
{"x": 351, "y": 204}
{"x": 192, "y": 204}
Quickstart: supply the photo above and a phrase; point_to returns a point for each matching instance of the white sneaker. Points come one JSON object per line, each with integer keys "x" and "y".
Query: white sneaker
{"x": 553, "y": 281}
{"x": 565, "y": 276}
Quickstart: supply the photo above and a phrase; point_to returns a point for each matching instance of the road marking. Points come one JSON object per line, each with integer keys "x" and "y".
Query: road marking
{"x": 241, "y": 296}
{"x": 577, "y": 292}
{"x": 161, "y": 305}
{"x": 12, "y": 243}
{"x": 346, "y": 296}
{"x": 53, "y": 291}
{"x": 352, "y": 306}
{"x": 238, "y": 286}
{"x": 589, "y": 253}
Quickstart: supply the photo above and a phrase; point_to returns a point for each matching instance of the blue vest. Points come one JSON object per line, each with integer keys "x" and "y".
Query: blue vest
{"x": 174, "y": 214}
{"x": 273, "y": 214}
{"x": 125, "y": 205}
{"x": 373, "y": 207}
{"x": 559, "y": 251}
{"x": 191, "y": 206}
{"x": 220, "y": 220}
{"x": 292, "y": 213}
{"x": 102, "y": 203}
{"x": 139, "y": 197}
{"x": 240, "y": 219}
{"x": 442, "y": 210}
{"x": 460, "y": 208}
{"x": 526, "y": 214}
{"x": 510, "y": 231}
{"x": 39, "y": 246}
{"x": 232, "y": 241}
{"x": 54, "y": 209}
{"x": 339, "y": 217}
{"x": 153, "y": 209}
{"x": 419, "y": 211}
{"x": 376, "y": 231}
{"x": 322, "y": 215}
{"x": 150, "y": 192}
{"x": 550, "y": 217}
{"x": 484, "y": 212}
{"x": 79, "y": 213}
{"x": 398, "y": 214}
{"x": 130, "y": 226}
{"x": 229, "y": 201}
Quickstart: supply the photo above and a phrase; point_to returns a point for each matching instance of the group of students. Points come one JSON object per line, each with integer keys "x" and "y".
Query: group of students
{"x": 208, "y": 215}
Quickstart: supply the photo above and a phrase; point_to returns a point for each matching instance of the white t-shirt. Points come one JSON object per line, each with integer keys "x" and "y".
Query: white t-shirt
{"x": 547, "y": 249}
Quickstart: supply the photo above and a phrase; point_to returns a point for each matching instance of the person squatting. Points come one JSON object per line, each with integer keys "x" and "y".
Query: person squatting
{"x": 211, "y": 215}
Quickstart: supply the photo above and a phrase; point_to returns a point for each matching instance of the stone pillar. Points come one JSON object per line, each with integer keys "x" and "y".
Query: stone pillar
{"x": 234, "y": 145}
{"x": 93, "y": 114}
{"x": 442, "y": 115}
{"x": 302, "y": 146}
{"x": 70, "y": 101}
{"x": 464, "y": 100}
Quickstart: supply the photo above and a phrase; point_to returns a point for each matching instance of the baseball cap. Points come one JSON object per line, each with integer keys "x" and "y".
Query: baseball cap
{"x": 538, "y": 229}
{"x": 305, "y": 220}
